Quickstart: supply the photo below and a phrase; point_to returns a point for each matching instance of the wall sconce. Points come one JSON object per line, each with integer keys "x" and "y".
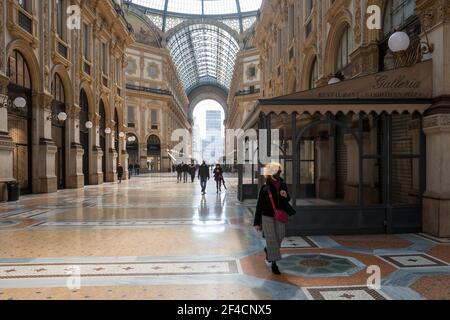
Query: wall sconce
{"x": 336, "y": 78}
{"x": 121, "y": 134}
{"x": 89, "y": 124}
{"x": 400, "y": 42}
{"x": 61, "y": 117}
{"x": 18, "y": 103}
{"x": 108, "y": 130}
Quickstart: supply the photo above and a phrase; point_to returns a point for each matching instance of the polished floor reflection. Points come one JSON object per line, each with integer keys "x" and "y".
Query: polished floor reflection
{"x": 153, "y": 238}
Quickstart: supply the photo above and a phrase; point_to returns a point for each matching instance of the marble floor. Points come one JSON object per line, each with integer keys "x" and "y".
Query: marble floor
{"x": 153, "y": 238}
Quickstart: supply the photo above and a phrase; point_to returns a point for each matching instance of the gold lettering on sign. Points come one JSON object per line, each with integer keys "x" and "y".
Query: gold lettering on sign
{"x": 383, "y": 82}
{"x": 406, "y": 83}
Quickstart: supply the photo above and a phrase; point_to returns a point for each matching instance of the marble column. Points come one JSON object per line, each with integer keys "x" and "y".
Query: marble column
{"x": 434, "y": 16}
{"x": 125, "y": 156}
{"x": 6, "y": 143}
{"x": 96, "y": 154}
{"x": 75, "y": 160}
{"x": 111, "y": 157}
{"x": 44, "y": 149}
{"x": 436, "y": 199}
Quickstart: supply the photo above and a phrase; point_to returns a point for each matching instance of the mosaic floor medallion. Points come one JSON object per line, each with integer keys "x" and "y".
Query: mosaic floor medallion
{"x": 435, "y": 239}
{"x": 344, "y": 293}
{"x": 413, "y": 261}
{"x": 298, "y": 242}
{"x": 319, "y": 265}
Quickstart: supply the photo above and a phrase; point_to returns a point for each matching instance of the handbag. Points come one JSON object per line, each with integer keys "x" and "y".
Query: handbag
{"x": 290, "y": 211}
{"x": 280, "y": 215}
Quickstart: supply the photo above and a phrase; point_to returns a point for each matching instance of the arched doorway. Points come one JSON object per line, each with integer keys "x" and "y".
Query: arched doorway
{"x": 154, "y": 154}
{"x": 84, "y": 134}
{"x": 59, "y": 130}
{"x": 132, "y": 149}
{"x": 208, "y": 142}
{"x": 19, "y": 119}
{"x": 102, "y": 114}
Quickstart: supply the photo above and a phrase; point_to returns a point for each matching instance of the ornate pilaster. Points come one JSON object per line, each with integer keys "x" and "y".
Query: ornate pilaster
{"x": 436, "y": 199}
{"x": 75, "y": 161}
{"x": 7, "y": 146}
{"x": 44, "y": 149}
{"x": 2, "y": 36}
{"x": 111, "y": 156}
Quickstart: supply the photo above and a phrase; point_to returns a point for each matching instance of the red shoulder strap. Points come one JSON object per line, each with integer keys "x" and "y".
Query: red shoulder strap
{"x": 271, "y": 200}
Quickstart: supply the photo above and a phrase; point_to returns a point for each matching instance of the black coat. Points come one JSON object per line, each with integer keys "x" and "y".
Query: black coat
{"x": 120, "y": 171}
{"x": 264, "y": 205}
{"x": 203, "y": 172}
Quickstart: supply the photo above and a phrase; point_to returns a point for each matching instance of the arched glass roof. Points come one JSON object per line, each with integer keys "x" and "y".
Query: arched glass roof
{"x": 201, "y": 7}
{"x": 204, "y": 54}
{"x": 203, "y": 35}
{"x": 166, "y": 14}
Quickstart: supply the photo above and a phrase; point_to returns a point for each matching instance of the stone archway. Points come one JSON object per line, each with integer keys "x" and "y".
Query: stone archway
{"x": 310, "y": 59}
{"x": 207, "y": 92}
{"x": 338, "y": 25}
{"x": 154, "y": 159}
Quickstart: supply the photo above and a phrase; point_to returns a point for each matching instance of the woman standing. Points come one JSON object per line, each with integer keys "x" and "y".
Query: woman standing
{"x": 273, "y": 196}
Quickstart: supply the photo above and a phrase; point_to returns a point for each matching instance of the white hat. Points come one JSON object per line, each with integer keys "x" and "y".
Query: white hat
{"x": 272, "y": 169}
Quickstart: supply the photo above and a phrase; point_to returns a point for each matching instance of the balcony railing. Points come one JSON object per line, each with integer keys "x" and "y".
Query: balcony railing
{"x": 247, "y": 92}
{"x": 148, "y": 89}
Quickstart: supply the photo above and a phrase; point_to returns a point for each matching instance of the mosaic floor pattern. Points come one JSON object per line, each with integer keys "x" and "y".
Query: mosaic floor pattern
{"x": 152, "y": 238}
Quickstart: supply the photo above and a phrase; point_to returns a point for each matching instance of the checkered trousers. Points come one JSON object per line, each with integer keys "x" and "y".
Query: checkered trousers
{"x": 274, "y": 232}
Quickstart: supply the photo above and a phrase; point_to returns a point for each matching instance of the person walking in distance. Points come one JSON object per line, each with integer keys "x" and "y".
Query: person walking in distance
{"x": 179, "y": 172}
{"x": 119, "y": 172}
{"x": 192, "y": 171}
{"x": 185, "y": 172}
{"x": 130, "y": 170}
{"x": 218, "y": 177}
{"x": 272, "y": 211}
{"x": 137, "y": 168}
{"x": 203, "y": 175}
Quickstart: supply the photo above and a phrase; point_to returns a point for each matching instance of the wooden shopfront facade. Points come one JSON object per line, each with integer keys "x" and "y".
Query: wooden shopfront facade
{"x": 353, "y": 153}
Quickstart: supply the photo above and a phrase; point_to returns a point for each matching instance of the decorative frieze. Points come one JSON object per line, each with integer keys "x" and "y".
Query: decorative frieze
{"x": 436, "y": 121}
{"x": 433, "y": 12}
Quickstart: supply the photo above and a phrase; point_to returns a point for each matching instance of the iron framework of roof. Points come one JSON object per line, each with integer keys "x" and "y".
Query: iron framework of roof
{"x": 204, "y": 41}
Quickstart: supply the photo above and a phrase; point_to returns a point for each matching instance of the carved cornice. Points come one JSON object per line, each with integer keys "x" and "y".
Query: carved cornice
{"x": 433, "y": 12}
{"x": 436, "y": 121}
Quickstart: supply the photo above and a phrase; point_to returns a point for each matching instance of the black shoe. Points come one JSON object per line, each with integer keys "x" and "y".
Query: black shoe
{"x": 275, "y": 269}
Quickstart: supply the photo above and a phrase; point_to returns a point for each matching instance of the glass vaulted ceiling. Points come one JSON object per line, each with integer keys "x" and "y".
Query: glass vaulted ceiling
{"x": 203, "y": 52}
{"x": 173, "y": 8}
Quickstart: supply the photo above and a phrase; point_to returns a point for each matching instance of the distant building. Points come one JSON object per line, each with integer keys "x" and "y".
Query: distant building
{"x": 213, "y": 120}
